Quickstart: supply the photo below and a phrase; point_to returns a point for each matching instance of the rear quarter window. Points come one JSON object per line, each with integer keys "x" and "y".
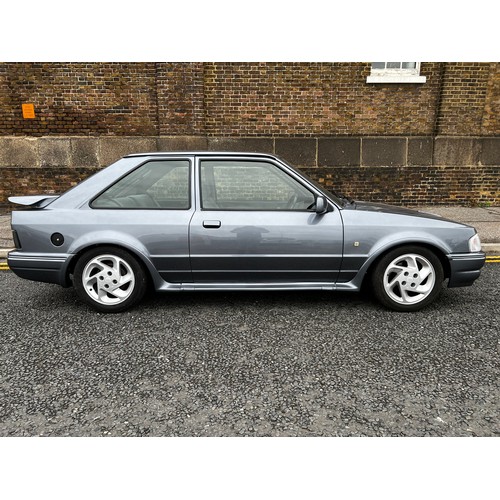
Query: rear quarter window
{"x": 161, "y": 184}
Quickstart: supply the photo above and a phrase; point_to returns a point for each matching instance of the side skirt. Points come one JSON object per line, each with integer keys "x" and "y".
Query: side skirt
{"x": 190, "y": 287}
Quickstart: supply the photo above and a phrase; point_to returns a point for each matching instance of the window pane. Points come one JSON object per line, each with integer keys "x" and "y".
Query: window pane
{"x": 378, "y": 65}
{"x": 156, "y": 184}
{"x": 393, "y": 65}
{"x": 245, "y": 185}
{"x": 409, "y": 65}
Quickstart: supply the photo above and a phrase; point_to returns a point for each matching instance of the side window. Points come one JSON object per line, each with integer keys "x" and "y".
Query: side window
{"x": 156, "y": 184}
{"x": 250, "y": 185}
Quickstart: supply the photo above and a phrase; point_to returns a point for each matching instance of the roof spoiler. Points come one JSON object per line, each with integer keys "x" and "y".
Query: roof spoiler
{"x": 39, "y": 201}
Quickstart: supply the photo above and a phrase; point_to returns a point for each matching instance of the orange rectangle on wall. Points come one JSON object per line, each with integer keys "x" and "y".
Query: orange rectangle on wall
{"x": 28, "y": 111}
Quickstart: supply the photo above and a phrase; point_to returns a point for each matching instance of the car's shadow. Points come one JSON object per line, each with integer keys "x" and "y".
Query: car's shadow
{"x": 255, "y": 298}
{"x": 57, "y": 297}
{"x": 238, "y": 299}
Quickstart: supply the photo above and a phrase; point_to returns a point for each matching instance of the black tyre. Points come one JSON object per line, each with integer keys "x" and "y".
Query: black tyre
{"x": 109, "y": 279}
{"x": 407, "y": 278}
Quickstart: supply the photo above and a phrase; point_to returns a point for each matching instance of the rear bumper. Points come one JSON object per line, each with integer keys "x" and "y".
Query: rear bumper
{"x": 48, "y": 268}
{"x": 465, "y": 268}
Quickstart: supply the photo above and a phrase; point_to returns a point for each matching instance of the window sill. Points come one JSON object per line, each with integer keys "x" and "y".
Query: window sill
{"x": 396, "y": 79}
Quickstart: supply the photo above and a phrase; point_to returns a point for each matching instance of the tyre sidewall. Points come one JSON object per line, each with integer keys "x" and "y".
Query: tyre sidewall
{"x": 377, "y": 278}
{"x": 139, "y": 274}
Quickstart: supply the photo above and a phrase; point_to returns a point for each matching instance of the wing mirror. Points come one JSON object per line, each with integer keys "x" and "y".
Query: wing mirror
{"x": 321, "y": 206}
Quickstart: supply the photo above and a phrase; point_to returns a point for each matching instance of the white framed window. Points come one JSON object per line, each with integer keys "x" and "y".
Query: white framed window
{"x": 395, "y": 72}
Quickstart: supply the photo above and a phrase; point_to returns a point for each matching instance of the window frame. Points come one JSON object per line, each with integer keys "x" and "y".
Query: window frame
{"x": 396, "y": 75}
{"x": 149, "y": 160}
{"x": 269, "y": 161}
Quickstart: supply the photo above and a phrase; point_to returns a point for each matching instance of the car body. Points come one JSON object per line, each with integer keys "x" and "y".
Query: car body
{"x": 232, "y": 221}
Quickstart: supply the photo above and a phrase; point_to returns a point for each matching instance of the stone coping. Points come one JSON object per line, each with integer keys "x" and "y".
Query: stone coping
{"x": 79, "y": 151}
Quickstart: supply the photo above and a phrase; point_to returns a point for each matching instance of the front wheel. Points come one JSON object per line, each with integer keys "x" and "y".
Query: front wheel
{"x": 408, "y": 278}
{"x": 109, "y": 279}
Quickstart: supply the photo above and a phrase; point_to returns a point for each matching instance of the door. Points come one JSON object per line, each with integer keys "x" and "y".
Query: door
{"x": 255, "y": 224}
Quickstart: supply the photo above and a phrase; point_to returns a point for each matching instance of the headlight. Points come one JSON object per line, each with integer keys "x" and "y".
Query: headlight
{"x": 475, "y": 244}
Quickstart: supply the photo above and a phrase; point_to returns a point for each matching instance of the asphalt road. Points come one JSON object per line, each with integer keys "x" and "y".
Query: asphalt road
{"x": 256, "y": 364}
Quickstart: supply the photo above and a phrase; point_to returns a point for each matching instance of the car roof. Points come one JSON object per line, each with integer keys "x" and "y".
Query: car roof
{"x": 199, "y": 153}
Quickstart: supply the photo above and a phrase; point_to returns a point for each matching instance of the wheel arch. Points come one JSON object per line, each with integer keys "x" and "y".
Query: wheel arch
{"x": 143, "y": 261}
{"x": 372, "y": 262}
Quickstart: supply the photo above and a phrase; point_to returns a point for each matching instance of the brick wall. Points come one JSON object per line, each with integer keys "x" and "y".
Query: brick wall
{"x": 437, "y": 142}
{"x": 416, "y": 186}
{"x": 180, "y": 89}
{"x": 463, "y": 98}
{"x": 491, "y": 115}
{"x": 245, "y": 99}
{"x": 79, "y": 98}
{"x": 310, "y": 99}
{"x": 27, "y": 181}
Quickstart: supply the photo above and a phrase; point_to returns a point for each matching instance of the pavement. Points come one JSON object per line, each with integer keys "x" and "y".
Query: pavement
{"x": 486, "y": 220}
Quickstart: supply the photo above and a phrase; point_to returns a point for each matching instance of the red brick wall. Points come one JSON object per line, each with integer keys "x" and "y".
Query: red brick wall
{"x": 246, "y": 99}
{"x": 491, "y": 116}
{"x": 79, "y": 98}
{"x": 463, "y": 98}
{"x": 310, "y": 99}
{"x": 443, "y": 185}
{"x": 180, "y": 98}
{"x": 26, "y": 181}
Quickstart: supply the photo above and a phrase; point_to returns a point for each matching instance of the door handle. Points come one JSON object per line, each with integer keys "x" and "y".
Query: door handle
{"x": 211, "y": 224}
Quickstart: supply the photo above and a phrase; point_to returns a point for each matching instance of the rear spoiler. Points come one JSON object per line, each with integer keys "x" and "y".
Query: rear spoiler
{"x": 39, "y": 201}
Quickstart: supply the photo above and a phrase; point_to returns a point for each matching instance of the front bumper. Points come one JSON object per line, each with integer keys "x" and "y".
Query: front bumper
{"x": 465, "y": 268}
{"x": 48, "y": 268}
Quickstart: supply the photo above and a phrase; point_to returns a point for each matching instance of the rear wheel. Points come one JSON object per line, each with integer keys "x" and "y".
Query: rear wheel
{"x": 408, "y": 278}
{"x": 109, "y": 279}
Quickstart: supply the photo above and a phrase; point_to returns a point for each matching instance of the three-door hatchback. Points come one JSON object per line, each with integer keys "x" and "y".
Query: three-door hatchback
{"x": 232, "y": 221}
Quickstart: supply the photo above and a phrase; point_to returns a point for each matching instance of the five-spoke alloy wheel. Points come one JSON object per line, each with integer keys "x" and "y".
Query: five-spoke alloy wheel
{"x": 109, "y": 279}
{"x": 408, "y": 278}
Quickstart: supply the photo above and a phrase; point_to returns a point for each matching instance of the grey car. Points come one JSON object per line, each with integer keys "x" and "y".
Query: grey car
{"x": 232, "y": 221}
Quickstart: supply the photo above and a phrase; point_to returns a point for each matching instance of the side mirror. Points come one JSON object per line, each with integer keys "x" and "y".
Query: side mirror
{"x": 321, "y": 205}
